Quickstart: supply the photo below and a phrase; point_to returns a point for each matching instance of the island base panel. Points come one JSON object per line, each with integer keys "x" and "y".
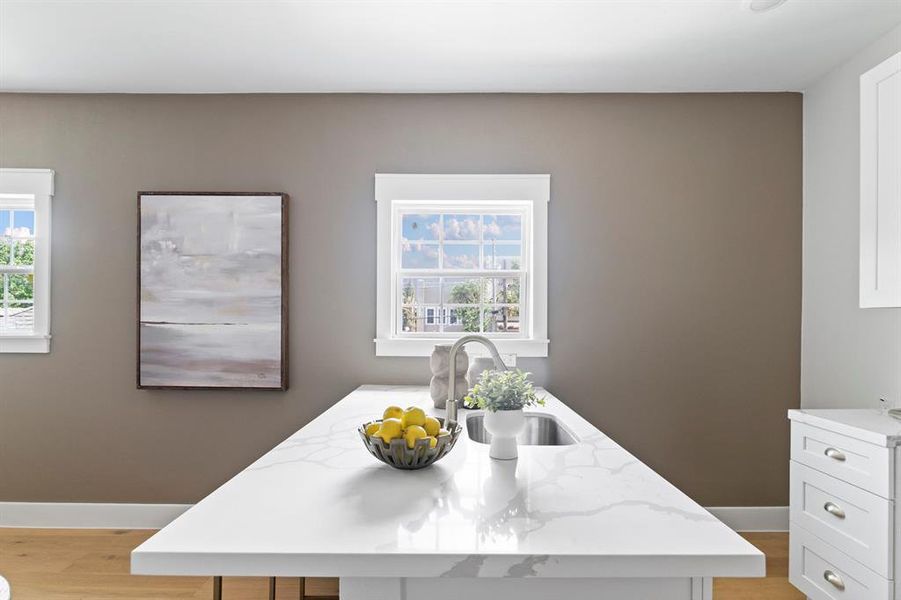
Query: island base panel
{"x": 526, "y": 588}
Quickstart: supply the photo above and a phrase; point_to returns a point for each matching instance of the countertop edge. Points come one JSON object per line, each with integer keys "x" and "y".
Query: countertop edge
{"x": 490, "y": 566}
{"x": 824, "y": 422}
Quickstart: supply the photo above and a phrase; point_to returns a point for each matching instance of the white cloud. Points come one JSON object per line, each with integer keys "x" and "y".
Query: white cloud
{"x": 17, "y": 232}
{"x": 461, "y": 229}
{"x": 461, "y": 261}
{"x": 428, "y": 251}
{"x": 493, "y": 229}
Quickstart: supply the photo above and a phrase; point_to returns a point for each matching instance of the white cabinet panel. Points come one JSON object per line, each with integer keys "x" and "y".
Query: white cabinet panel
{"x": 824, "y": 573}
{"x": 858, "y": 522}
{"x": 880, "y": 185}
{"x": 865, "y": 465}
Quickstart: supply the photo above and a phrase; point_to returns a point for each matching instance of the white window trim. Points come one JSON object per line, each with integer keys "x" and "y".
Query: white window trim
{"x": 35, "y": 186}
{"x": 397, "y": 187}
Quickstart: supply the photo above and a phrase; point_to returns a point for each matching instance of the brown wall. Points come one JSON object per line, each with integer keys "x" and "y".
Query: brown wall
{"x": 675, "y": 274}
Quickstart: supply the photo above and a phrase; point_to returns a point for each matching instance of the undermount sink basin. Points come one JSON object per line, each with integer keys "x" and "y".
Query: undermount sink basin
{"x": 540, "y": 430}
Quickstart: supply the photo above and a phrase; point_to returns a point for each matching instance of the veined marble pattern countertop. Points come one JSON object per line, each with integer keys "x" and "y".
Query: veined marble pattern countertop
{"x": 319, "y": 505}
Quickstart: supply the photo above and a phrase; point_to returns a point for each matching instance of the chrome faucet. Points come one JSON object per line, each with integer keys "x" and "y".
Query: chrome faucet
{"x": 452, "y": 371}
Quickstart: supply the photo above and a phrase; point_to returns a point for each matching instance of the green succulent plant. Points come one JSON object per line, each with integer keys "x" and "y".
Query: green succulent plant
{"x": 503, "y": 390}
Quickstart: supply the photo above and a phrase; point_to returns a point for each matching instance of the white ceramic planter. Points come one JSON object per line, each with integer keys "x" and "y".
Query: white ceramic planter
{"x": 504, "y": 426}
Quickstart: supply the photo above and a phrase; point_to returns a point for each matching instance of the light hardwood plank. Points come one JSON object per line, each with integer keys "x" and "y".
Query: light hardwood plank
{"x": 774, "y": 586}
{"x": 93, "y": 564}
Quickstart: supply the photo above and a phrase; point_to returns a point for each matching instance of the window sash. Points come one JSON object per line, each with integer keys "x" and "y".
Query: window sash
{"x": 482, "y": 209}
{"x": 471, "y": 208}
{"x": 16, "y": 269}
{"x": 11, "y": 309}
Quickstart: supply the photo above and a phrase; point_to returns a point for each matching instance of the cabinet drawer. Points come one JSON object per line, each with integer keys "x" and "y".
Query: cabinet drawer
{"x": 821, "y": 571}
{"x": 855, "y": 521}
{"x": 865, "y": 465}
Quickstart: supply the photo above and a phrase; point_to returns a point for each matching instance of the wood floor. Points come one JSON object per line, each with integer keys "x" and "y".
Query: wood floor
{"x": 60, "y": 564}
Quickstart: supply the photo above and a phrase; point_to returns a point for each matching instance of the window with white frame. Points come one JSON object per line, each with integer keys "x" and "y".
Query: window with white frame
{"x": 25, "y": 259}
{"x": 462, "y": 254}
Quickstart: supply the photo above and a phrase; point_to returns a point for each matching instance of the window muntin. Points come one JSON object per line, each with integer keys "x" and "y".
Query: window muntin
{"x": 17, "y": 245}
{"x": 461, "y": 268}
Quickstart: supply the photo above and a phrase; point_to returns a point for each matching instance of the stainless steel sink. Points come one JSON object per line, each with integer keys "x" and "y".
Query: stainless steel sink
{"x": 540, "y": 430}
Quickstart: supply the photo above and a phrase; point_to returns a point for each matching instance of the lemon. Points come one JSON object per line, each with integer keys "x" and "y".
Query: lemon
{"x": 413, "y": 433}
{"x": 372, "y": 428}
{"x": 393, "y": 412}
{"x": 443, "y": 432}
{"x": 432, "y": 426}
{"x": 433, "y": 441}
{"x": 390, "y": 429}
{"x": 413, "y": 416}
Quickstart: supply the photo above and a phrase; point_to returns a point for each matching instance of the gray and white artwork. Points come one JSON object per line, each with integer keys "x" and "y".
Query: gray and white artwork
{"x": 211, "y": 274}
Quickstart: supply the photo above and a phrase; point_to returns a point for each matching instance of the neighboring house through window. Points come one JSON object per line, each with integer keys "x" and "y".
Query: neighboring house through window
{"x": 25, "y": 196}
{"x": 462, "y": 254}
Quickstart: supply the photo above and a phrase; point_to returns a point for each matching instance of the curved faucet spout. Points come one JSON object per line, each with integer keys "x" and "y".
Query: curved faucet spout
{"x": 451, "y": 415}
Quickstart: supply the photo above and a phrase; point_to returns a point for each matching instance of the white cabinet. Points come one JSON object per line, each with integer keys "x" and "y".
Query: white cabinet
{"x": 880, "y": 185}
{"x": 845, "y": 486}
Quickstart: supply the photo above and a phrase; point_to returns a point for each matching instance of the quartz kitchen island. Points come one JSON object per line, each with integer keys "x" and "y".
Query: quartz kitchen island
{"x": 582, "y": 520}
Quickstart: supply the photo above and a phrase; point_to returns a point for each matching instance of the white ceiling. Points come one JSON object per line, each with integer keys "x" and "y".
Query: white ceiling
{"x": 429, "y": 46}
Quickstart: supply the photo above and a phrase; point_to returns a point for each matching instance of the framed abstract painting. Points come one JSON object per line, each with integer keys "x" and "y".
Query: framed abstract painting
{"x": 212, "y": 290}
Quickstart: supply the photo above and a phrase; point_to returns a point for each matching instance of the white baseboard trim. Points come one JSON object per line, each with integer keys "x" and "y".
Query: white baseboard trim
{"x": 752, "y": 518}
{"x": 78, "y": 515}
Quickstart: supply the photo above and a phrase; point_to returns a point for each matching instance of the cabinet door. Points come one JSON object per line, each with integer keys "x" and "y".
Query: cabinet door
{"x": 880, "y": 185}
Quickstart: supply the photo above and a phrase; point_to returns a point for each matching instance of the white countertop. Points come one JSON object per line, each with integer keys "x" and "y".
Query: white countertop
{"x": 319, "y": 504}
{"x": 869, "y": 425}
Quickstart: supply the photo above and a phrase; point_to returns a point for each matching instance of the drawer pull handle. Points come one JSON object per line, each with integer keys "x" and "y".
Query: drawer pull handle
{"x": 834, "y": 579}
{"x": 834, "y": 509}
{"x": 835, "y": 454}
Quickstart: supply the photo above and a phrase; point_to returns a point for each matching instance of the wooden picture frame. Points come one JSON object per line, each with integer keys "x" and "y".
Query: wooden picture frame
{"x": 168, "y": 255}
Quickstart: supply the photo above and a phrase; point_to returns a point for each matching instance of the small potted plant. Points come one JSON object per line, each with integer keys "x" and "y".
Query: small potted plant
{"x": 503, "y": 395}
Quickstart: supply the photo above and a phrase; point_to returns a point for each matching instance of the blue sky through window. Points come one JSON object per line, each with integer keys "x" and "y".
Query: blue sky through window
{"x": 503, "y": 227}
{"x": 502, "y": 256}
{"x": 25, "y": 218}
{"x": 464, "y": 256}
{"x": 419, "y": 256}
{"x": 420, "y": 227}
{"x": 461, "y": 227}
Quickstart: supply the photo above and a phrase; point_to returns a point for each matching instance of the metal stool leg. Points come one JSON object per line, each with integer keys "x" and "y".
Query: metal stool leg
{"x": 303, "y": 586}
{"x": 272, "y": 588}
{"x": 217, "y": 588}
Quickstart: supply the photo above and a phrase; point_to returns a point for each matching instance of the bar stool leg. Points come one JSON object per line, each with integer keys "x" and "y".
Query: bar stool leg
{"x": 272, "y": 588}
{"x": 217, "y": 588}
{"x": 303, "y": 585}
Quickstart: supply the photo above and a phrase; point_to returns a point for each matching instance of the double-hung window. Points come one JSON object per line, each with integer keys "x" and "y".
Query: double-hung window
{"x": 25, "y": 259}
{"x": 462, "y": 254}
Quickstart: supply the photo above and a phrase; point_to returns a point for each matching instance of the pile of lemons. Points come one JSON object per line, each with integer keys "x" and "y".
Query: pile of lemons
{"x": 410, "y": 425}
